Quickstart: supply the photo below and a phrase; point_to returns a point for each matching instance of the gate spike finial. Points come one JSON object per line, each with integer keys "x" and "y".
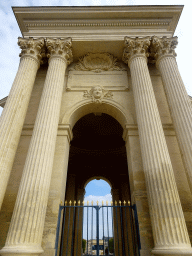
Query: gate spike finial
{"x": 119, "y": 202}
{"x": 70, "y": 202}
{"x": 124, "y": 202}
{"x": 129, "y": 203}
{"x": 74, "y": 202}
{"x": 115, "y": 202}
{"x": 66, "y": 202}
{"x": 107, "y": 203}
{"x": 79, "y": 202}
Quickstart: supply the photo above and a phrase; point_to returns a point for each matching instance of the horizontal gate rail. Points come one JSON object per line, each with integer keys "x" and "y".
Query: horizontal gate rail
{"x": 121, "y": 215}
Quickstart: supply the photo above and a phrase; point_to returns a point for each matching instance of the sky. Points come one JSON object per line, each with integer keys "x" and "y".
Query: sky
{"x": 97, "y": 190}
{"x": 9, "y": 50}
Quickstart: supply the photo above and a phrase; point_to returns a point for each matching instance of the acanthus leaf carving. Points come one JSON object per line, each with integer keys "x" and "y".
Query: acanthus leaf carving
{"x": 60, "y": 48}
{"x": 163, "y": 46}
{"x": 98, "y": 62}
{"x": 136, "y": 46}
{"x": 97, "y": 94}
{"x": 32, "y": 47}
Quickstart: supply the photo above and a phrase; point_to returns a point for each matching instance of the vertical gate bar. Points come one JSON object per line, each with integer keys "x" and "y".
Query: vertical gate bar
{"x": 137, "y": 228}
{"x": 117, "y": 229}
{"x": 122, "y": 230}
{"x": 132, "y": 230}
{"x": 97, "y": 221}
{"x": 68, "y": 229}
{"x": 127, "y": 230}
{"x": 73, "y": 231}
{"x": 113, "y": 229}
{"x": 77, "y": 229}
{"x": 63, "y": 227}
{"x": 108, "y": 228}
{"x": 103, "y": 230}
{"x": 58, "y": 229}
{"x": 82, "y": 229}
{"x": 87, "y": 229}
{"x": 92, "y": 232}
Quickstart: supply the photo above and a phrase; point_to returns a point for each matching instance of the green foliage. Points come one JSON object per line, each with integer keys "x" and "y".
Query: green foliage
{"x": 111, "y": 246}
{"x": 84, "y": 245}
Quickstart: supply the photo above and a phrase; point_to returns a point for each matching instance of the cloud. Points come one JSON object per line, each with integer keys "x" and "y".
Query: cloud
{"x": 93, "y": 198}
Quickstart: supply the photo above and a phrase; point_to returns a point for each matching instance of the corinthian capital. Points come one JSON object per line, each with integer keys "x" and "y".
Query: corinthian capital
{"x": 60, "y": 48}
{"x": 32, "y": 47}
{"x": 134, "y": 47}
{"x": 163, "y": 46}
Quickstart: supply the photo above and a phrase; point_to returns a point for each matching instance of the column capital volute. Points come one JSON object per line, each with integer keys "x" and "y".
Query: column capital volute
{"x": 60, "y": 48}
{"x": 135, "y": 47}
{"x": 32, "y": 48}
{"x": 163, "y": 47}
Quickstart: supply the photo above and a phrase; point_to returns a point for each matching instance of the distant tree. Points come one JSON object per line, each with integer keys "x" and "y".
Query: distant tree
{"x": 84, "y": 245}
{"x": 111, "y": 245}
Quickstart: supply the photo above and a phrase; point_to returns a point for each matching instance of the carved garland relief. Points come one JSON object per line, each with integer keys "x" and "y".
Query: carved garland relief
{"x": 98, "y": 62}
{"x": 95, "y": 69}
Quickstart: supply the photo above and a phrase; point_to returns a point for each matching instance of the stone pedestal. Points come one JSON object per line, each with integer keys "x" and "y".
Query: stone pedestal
{"x": 168, "y": 223}
{"x": 13, "y": 115}
{"x": 177, "y": 97}
{"x": 26, "y": 229}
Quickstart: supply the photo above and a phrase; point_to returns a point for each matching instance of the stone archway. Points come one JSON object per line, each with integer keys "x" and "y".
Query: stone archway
{"x": 98, "y": 150}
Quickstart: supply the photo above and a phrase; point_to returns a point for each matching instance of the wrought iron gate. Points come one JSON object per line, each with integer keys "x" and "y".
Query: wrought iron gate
{"x": 97, "y": 230}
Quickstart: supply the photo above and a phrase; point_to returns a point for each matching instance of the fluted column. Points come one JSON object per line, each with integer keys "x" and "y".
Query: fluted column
{"x": 26, "y": 229}
{"x": 177, "y": 97}
{"x": 168, "y": 223}
{"x": 13, "y": 115}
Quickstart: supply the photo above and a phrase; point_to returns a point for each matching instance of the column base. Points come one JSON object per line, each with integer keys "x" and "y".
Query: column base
{"x": 172, "y": 251}
{"x": 21, "y": 250}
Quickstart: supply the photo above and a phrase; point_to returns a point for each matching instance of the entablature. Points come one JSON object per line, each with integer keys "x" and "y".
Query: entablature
{"x": 98, "y": 28}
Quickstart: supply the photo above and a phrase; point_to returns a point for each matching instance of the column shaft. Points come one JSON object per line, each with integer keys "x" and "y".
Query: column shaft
{"x": 169, "y": 227}
{"x": 13, "y": 115}
{"x": 27, "y": 224}
{"x": 163, "y": 49}
{"x": 180, "y": 107}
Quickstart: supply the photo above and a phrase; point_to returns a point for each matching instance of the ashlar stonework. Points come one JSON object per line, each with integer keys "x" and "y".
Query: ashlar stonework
{"x": 97, "y": 95}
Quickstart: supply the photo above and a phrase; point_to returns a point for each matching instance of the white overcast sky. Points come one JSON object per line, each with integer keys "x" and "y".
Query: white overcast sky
{"x": 9, "y": 32}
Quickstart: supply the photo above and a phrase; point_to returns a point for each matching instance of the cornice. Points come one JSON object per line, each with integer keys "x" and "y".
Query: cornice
{"x": 156, "y": 19}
